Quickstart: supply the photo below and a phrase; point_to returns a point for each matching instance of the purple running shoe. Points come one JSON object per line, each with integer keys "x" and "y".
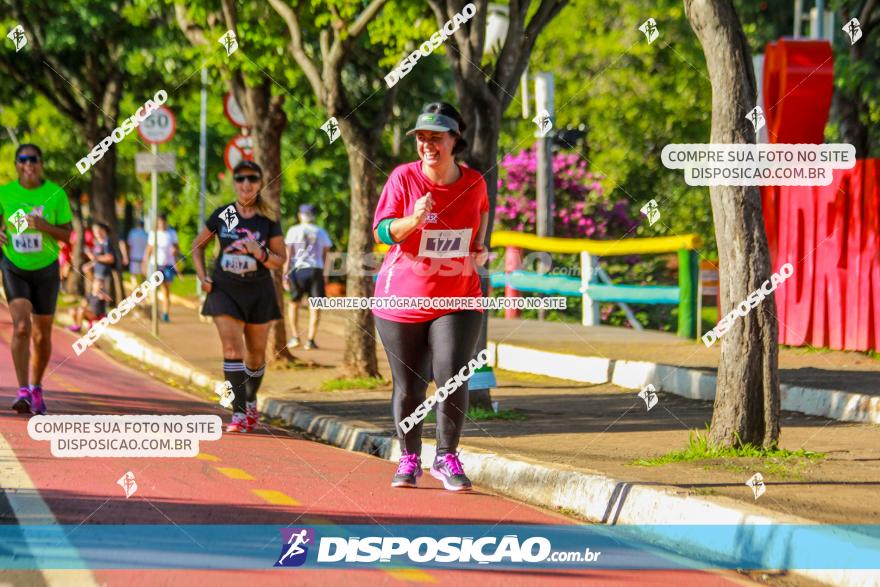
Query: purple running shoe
{"x": 22, "y": 403}
{"x": 408, "y": 470}
{"x": 38, "y": 406}
{"x": 447, "y": 468}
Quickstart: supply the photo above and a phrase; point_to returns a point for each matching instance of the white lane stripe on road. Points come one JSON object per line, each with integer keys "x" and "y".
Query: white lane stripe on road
{"x": 30, "y": 509}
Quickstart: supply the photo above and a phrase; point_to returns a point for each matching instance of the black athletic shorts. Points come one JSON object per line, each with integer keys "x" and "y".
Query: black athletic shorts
{"x": 252, "y": 303}
{"x": 39, "y": 286}
{"x": 309, "y": 280}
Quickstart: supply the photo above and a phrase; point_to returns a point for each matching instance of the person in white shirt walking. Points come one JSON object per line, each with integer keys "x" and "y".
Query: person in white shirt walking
{"x": 167, "y": 252}
{"x": 307, "y": 248}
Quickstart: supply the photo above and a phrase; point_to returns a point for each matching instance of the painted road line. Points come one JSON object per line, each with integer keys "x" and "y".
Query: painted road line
{"x": 234, "y": 473}
{"x": 30, "y": 509}
{"x": 275, "y": 497}
{"x": 203, "y": 456}
{"x": 412, "y": 575}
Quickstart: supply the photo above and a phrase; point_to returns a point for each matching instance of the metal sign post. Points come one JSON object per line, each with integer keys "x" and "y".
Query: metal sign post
{"x": 157, "y": 128}
{"x": 154, "y": 213}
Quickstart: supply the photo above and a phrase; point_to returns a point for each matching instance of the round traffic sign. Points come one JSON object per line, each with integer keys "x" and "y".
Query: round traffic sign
{"x": 238, "y": 149}
{"x": 233, "y": 111}
{"x": 158, "y": 127}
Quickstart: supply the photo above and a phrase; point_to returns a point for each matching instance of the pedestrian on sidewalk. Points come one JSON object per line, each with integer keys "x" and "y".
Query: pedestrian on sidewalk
{"x": 307, "y": 247}
{"x": 101, "y": 255}
{"x": 36, "y": 215}
{"x": 423, "y": 202}
{"x": 136, "y": 247}
{"x": 241, "y": 293}
{"x": 168, "y": 252}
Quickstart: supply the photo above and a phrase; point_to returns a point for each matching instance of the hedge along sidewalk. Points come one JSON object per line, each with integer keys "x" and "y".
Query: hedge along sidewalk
{"x": 598, "y": 497}
{"x": 633, "y": 360}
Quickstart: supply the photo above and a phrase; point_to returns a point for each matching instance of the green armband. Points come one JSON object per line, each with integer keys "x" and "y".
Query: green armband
{"x": 384, "y": 231}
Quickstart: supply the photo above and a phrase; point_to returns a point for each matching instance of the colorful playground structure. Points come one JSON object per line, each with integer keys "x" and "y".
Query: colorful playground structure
{"x": 594, "y": 286}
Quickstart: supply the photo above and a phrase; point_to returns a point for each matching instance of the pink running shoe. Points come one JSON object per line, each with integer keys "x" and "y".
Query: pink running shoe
{"x": 22, "y": 403}
{"x": 73, "y": 328}
{"x": 38, "y": 406}
{"x": 447, "y": 468}
{"x": 238, "y": 424}
{"x": 251, "y": 415}
{"x": 409, "y": 469}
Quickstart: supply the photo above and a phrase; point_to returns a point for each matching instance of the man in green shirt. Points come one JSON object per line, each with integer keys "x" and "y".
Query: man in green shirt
{"x": 36, "y": 215}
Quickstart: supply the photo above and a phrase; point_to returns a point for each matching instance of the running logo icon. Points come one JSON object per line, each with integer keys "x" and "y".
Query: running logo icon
{"x": 128, "y": 484}
{"x": 229, "y": 42}
{"x": 544, "y": 123}
{"x": 229, "y": 217}
{"x": 294, "y": 550}
{"x": 757, "y": 485}
{"x": 19, "y": 221}
{"x": 854, "y": 29}
{"x": 224, "y": 390}
{"x": 756, "y": 117}
{"x": 331, "y": 127}
{"x": 649, "y": 27}
{"x": 649, "y": 394}
{"x": 652, "y": 211}
{"x": 18, "y": 38}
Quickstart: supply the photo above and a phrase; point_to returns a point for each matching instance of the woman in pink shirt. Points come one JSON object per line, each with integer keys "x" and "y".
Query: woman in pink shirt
{"x": 434, "y": 212}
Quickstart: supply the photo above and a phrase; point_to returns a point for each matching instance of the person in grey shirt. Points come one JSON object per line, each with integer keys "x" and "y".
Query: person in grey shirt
{"x": 307, "y": 248}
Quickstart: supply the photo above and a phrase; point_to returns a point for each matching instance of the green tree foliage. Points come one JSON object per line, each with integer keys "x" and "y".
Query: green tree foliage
{"x": 633, "y": 98}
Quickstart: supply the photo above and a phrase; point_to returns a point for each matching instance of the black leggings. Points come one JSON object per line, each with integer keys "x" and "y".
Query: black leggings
{"x": 415, "y": 350}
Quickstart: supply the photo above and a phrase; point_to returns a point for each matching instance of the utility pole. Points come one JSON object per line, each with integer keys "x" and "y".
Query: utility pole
{"x": 203, "y": 159}
{"x": 544, "y": 101}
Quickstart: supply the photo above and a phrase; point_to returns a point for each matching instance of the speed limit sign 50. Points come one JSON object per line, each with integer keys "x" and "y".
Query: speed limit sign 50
{"x": 158, "y": 127}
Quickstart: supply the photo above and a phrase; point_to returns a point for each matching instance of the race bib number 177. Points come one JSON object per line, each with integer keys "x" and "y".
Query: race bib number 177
{"x": 445, "y": 244}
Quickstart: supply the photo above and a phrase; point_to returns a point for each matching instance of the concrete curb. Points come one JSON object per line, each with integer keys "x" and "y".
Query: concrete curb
{"x": 687, "y": 382}
{"x": 597, "y": 497}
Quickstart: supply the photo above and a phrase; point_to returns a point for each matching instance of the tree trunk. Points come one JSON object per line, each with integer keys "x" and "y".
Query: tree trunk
{"x": 75, "y": 283}
{"x": 102, "y": 197}
{"x": 746, "y": 407}
{"x": 483, "y": 156}
{"x": 360, "y": 342}
{"x": 269, "y": 121}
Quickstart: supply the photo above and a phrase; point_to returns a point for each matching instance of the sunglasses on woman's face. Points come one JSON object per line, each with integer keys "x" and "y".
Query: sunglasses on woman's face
{"x": 28, "y": 159}
{"x": 247, "y": 178}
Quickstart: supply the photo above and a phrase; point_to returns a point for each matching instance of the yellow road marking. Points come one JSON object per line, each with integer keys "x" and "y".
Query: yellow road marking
{"x": 275, "y": 497}
{"x": 203, "y": 456}
{"x": 234, "y": 473}
{"x": 412, "y": 575}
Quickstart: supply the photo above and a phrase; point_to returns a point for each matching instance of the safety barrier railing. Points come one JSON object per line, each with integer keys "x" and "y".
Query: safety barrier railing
{"x": 593, "y": 285}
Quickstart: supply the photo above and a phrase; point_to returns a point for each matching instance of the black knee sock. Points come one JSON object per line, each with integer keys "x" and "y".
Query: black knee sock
{"x": 253, "y": 382}
{"x": 233, "y": 371}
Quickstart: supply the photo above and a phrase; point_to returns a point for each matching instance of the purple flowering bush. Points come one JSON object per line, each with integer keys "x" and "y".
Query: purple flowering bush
{"x": 581, "y": 208}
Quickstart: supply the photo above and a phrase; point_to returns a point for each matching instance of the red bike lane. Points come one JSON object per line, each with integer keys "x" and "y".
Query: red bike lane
{"x": 268, "y": 477}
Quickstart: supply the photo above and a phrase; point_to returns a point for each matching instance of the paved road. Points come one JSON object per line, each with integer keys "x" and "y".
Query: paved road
{"x": 270, "y": 477}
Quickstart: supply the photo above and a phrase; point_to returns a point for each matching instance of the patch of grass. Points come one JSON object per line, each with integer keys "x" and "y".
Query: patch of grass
{"x": 344, "y": 383}
{"x": 185, "y": 285}
{"x": 699, "y": 449}
{"x": 482, "y": 414}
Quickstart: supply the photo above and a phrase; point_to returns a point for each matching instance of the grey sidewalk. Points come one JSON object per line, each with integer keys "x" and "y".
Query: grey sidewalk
{"x": 832, "y": 384}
